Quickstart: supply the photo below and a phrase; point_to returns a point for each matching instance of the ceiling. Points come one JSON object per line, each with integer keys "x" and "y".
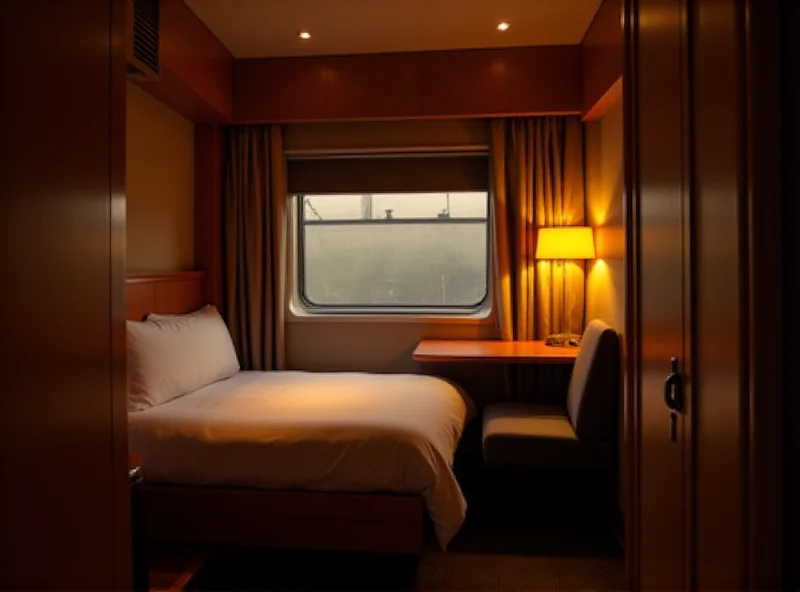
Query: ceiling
{"x": 268, "y": 28}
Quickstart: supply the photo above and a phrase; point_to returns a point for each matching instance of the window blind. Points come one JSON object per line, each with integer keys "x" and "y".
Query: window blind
{"x": 386, "y": 173}
{"x": 385, "y": 136}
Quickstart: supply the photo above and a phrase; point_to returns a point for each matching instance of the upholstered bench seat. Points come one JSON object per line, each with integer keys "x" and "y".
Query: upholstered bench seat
{"x": 583, "y": 433}
{"x": 541, "y": 435}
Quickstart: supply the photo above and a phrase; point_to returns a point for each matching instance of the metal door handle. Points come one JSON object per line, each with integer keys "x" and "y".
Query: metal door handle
{"x": 673, "y": 388}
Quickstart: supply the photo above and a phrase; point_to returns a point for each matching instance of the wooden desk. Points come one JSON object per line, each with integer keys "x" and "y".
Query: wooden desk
{"x": 492, "y": 351}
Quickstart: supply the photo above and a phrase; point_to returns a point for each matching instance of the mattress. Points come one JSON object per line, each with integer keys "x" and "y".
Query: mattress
{"x": 346, "y": 432}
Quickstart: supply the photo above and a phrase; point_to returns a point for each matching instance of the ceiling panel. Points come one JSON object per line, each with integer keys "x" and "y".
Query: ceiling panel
{"x": 268, "y": 28}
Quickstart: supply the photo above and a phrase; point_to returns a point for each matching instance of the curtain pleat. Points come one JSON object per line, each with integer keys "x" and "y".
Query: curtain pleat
{"x": 254, "y": 215}
{"x": 537, "y": 166}
{"x": 537, "y": 180}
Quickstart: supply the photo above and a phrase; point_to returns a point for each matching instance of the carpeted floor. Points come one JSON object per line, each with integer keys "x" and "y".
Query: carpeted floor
{"x": 525, "y": 531}
{"x": 514, "y": 540}
{"x": 505, "y": 573}
{"x": 434, "y": 571}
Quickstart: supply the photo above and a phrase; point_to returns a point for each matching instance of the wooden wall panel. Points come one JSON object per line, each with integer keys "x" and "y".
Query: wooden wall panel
{"x": 179, "y": 297}
{"x": 281, "y": 89}
{"x": 209, "y": 148}
{"x": 519, "y": 81}
{"x": 197, "y": 70}
{"x": 62, "y": 432}
{"x": 192, "y": 52}
{"x": 611, "y": 97}
{"x": 514, "y": 81}
{"x": 140, "y": 299}
{"x": 171, "y": 90}
{"x": 357, "y": 89}
{"x": 602, "y": 56}
{"x": 165, "y": 293}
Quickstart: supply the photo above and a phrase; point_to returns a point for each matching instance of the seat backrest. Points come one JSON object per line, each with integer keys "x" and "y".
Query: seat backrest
{"x": 594, "y": 389}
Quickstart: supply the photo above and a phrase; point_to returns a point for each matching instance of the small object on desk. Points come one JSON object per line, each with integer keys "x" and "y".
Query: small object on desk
{"x": 563, "y": 340}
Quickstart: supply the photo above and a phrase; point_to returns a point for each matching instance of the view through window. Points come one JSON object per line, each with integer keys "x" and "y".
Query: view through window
{"x": 412, "y": 250}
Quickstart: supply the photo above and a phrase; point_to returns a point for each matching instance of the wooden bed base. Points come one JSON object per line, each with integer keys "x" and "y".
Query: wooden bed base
{"x": 379, "y": 522}
{"x": 376, "y": 522}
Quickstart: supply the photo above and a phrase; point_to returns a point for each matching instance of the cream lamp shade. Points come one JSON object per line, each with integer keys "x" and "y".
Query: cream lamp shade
{"x": 565, "y": 242}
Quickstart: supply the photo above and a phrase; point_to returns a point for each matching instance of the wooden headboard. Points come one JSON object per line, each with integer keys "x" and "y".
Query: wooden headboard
{"x": 165, "y": 293}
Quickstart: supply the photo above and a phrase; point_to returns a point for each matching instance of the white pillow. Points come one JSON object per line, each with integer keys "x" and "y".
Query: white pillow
{"x": 156, "y": 316}
{"x": 169, "y": 356}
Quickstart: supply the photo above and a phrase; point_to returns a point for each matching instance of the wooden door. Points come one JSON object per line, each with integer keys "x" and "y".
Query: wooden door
{"x": 64, "y": 517}
{"x": 703, "y": 176}
{"x": 656, "y": 121}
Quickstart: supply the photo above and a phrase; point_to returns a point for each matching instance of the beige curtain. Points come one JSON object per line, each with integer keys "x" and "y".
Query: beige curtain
{"x": 537, "y": 167}
{"x": 254, "y": 214}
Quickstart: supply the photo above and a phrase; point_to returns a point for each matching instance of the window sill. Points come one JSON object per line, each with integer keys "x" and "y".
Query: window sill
{"x": 298, "y": 314}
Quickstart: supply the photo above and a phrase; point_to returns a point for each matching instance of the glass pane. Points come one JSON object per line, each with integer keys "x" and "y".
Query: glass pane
{"x": 407, "y": 250}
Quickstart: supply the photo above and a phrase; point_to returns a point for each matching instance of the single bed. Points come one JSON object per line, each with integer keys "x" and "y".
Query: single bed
{"x": 343, "y": 460}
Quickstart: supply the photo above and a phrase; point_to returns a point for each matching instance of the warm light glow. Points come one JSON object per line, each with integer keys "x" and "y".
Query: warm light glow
{"x": 609, "y": 242}
{"x": 565, "y": 242}
{"x": 304, "y": 35}
{"x": 504, "y": 26}
{"x": 605, "y": 292}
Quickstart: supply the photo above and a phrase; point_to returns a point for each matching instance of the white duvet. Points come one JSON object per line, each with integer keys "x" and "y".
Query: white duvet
{"x": 324, "y": 432}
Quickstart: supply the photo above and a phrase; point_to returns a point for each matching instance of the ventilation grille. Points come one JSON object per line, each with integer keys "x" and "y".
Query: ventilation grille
{"x": 145, "y": 35}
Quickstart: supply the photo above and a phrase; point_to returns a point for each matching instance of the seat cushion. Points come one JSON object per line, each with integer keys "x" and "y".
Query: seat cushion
{"x": 537, "y": 435}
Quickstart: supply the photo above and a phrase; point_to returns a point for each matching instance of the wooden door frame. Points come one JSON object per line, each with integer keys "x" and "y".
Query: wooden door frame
{"x": 762, "y": 350}
{"x": 631, "y": 353}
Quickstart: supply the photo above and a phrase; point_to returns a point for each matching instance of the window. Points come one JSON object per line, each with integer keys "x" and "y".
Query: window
{"x": 392, "y": 232}
{"x": 398, "y": 252}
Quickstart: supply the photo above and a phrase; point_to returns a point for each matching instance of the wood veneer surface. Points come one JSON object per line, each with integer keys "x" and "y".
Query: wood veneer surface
{"x": 474, "y": 83}
{"x": 62, "y": 506}
{"x": 602, "y": 56}
{"x": 492, "y": 351}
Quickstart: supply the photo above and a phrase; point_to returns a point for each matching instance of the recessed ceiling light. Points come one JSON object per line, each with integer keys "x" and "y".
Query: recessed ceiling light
{"x": 304, "y": 35}
{"x": 504, "y": 26}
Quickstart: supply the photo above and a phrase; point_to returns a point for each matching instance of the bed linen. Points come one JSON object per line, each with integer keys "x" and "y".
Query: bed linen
{"x": 313, "y": 431}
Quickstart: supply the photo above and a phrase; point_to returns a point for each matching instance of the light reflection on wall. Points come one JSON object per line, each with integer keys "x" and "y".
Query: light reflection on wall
{"x": 607, "y": 292}
{"x": 605, "y": 277}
